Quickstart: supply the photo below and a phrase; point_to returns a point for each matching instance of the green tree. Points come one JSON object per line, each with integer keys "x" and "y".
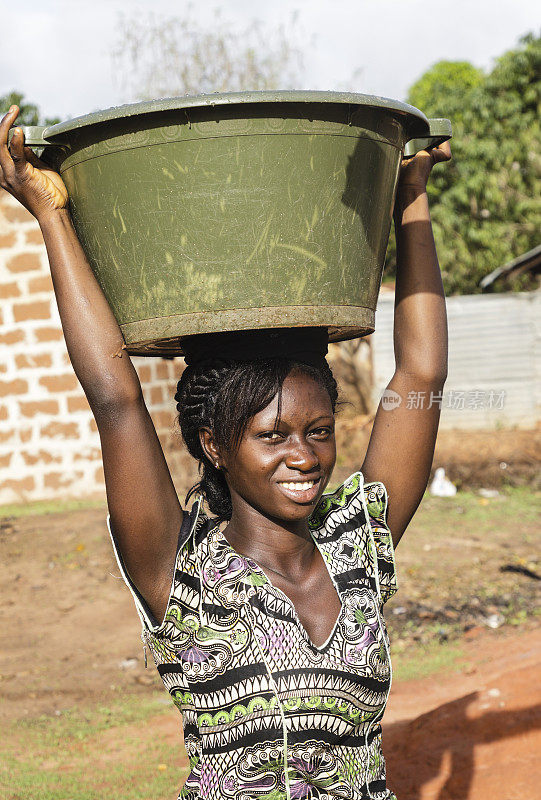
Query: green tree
{"x": 443, "y": 90}
{"x": 29, "y": 113}
{"x": 486, "y": 204}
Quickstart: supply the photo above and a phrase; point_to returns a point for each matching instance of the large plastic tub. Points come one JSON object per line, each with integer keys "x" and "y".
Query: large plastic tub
{"x": 237, "y": 211}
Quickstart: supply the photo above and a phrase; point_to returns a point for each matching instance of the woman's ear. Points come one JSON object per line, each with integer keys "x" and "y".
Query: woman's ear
{"x": 209, "y": 446}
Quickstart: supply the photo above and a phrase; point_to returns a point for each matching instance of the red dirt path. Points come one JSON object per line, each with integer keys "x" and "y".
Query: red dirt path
{"x": 473, "y": 736}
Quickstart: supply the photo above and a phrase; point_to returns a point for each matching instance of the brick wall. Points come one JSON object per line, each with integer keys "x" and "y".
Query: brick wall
{"x": 49, "y": 444}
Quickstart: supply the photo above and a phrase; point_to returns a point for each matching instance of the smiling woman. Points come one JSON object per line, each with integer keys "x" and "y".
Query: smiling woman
{"x": 280, "y": 653}
{"x": 233, "y": 418}
{"x": 264, "y": 616}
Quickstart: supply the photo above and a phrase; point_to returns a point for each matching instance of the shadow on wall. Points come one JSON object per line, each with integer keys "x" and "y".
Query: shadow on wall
{"x": 433, "y": 756}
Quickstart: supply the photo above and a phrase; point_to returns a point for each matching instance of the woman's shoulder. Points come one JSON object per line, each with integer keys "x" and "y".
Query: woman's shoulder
{"x": 375, "y": 495}
{"x": 350, "y": 498}
{"x": 354, "y": 516}
{"x": 195, "y": 525}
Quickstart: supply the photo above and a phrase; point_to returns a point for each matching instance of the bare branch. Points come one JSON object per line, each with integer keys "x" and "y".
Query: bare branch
{"x": 168, "y": 56}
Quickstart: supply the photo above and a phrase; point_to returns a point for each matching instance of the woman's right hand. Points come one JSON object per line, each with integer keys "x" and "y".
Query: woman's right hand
{"x": 32, "y": 182}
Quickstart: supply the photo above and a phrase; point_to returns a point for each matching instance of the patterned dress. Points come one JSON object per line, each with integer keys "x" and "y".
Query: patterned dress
{"x": 266, "y": 713}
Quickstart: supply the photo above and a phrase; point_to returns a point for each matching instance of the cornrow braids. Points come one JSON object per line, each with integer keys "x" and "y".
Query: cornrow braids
{"x": 223, "y": 395}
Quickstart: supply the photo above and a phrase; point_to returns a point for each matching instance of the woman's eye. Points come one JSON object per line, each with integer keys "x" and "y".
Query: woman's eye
{"x": 322, "y": 432}
{"x": 276, "y": 436}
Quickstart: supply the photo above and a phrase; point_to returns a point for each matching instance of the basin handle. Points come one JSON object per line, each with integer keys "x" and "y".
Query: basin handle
{"x": 439, "y": 131}
{"x": 33, "y": 138}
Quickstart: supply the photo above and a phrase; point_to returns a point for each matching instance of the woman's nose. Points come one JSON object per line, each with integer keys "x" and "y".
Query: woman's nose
{"x": 301, "y": 456}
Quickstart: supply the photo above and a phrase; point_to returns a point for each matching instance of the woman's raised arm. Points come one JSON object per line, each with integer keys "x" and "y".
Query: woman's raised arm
{"x": 145, "y": 512}
{"x": 401, "y": 446}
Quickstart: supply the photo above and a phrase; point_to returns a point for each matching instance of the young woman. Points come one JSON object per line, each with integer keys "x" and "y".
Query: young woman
{"x": 265, "y": 618}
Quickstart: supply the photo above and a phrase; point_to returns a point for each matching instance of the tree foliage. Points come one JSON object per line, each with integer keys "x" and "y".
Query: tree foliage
{"x": 486, "y": 203}
{"x": 176, "y": 55}
{"x": 445, "y": 87}
{"x": 29, "y": 113}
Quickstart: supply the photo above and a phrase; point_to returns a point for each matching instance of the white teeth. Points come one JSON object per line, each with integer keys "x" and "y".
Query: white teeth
{"x": 297, "y": 486}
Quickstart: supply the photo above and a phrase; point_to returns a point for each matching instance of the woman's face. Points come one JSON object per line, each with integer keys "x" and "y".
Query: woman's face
{"x": 282, "y": 473}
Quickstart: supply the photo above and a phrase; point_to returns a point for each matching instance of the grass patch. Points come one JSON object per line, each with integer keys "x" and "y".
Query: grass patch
{"x": 92, "y": 752}
{"x": 40, "y": 507}
{"x": 80, "y": 724}
{"x": 422, "y": 660}
{"x": 469, "y": 506}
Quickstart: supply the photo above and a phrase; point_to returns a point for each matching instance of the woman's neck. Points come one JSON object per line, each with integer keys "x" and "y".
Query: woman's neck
{"x": 285, "y": 547}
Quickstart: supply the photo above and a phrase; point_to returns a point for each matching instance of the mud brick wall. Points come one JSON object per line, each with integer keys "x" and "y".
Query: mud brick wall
{"x": 49, "y": 444}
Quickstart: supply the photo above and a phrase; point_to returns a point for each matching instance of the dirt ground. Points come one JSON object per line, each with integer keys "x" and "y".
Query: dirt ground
{"x": 490, "y": 459}
{"x": 468, "y": 576}
{"x": 475, "y": 735}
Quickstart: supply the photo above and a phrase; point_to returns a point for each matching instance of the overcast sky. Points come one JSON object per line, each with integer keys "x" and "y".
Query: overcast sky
{"x": 58, "y": 52}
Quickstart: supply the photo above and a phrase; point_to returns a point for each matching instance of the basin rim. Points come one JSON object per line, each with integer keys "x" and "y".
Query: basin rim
{"x": 231, "y": 99}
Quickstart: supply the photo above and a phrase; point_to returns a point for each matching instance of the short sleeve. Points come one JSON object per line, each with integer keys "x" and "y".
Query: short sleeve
{"x": 375, "y": 495}
{"x": 148, "y": 621}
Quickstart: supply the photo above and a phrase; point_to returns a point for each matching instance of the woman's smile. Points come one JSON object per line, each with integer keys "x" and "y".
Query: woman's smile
{"x": 302, "y": 491}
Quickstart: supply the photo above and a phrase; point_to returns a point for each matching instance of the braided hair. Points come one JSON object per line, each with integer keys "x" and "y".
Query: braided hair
{"x": 223, "y": 395}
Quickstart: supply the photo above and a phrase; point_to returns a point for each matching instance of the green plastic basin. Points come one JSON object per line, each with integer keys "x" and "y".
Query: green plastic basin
{"x": 237, "y": 211}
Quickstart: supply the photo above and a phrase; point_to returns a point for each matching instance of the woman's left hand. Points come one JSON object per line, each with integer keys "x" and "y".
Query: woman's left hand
{"x": 415, "y": 171}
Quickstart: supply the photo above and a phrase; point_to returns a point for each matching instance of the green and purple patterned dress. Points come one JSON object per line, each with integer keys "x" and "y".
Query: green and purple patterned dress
{"x": 266, "y": 713}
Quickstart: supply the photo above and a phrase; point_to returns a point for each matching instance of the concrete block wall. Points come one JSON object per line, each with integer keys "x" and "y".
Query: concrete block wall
{"x": 49, "y": 444}
{"x": 494, "y": 378}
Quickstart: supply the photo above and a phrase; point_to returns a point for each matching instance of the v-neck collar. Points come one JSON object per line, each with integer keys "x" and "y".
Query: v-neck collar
{"x": 238, "y": 578}
{"x": 258, "y": 578}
